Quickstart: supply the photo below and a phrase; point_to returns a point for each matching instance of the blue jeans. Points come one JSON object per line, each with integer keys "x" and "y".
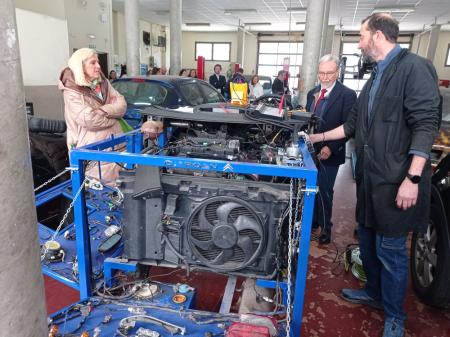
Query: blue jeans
{"x": 324, "y": 201}
{"x": 385, "y": 262}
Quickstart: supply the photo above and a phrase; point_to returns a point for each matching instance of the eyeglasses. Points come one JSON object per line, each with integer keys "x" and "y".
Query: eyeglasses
{"x": 329, "y": 74}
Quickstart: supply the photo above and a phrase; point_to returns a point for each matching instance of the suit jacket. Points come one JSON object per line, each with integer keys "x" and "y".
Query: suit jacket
{"x": 218, "y": 83}
{"x": 339, "y": 104}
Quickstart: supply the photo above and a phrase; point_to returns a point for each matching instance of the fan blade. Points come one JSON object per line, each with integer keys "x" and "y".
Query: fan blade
{"x": 223, "y": 211}
{"x": 223, "y": 257}
{"x": 245, "y": 243}
{"x": 205, "y": 245}
{"x": 203, "y": 223}
{"x": 245, "y": 222}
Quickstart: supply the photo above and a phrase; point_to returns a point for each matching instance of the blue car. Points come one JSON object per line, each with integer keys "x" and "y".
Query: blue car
{"x": 166, "y": 91}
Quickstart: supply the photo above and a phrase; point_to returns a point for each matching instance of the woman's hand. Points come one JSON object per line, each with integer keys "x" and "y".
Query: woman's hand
{"x": 151, "y": 129}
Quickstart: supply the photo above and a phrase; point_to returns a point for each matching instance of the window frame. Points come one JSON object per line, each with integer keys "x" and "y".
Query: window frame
{"x": 212, "y": 50}
{"x": 447, "y": 57}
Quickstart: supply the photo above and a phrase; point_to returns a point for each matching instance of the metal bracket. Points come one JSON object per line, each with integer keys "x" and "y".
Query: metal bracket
{"x": 308, "y": 190}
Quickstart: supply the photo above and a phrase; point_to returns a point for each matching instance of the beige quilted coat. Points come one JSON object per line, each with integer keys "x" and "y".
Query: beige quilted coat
{"x": 90, "y": 119}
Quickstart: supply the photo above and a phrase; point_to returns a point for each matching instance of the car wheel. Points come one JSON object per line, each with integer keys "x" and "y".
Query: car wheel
{"x": 430, "y": 260}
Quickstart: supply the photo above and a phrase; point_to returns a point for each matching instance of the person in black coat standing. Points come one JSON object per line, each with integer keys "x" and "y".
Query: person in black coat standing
{"x": 331, "y": 101}
{"x": 216, "y": 80}
{"x": 278, "y": 85}
{"x": 394, "y": 122}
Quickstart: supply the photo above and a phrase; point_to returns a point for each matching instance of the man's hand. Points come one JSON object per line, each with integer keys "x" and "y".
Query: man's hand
{"x": 324, "y": 153}
{"x": 152, "y": 129}
{"x": 407, "y": 194}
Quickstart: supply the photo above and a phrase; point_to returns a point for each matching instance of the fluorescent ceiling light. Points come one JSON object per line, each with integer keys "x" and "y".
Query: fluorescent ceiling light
{"x": 194, "y": 24}
{"x": 300, "y": 23}
{"x": 297, "y": 9}
{"x": 239, "y": 10}
{"x": 162, "y": 12}
{"x": 257, "y": 24}
{"x": 396, "y": 9}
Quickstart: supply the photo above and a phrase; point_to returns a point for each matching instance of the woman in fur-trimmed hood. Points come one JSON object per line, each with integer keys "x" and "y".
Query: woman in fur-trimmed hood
{"x": 92, "y": 108}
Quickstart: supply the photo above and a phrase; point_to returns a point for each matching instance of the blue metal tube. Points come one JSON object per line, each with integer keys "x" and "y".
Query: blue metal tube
{"x": 134, "y": 139}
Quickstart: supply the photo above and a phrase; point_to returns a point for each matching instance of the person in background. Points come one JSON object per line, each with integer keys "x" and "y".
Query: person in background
{"x": 93, "y": 109}
{"x": 123, "y": 70}
{"x": 238, "y": 77}
{"x": 193, "y": 73}
{"x": 331, "y": 101}
{"x": 256, "y": 89}
{"x": 394, "y": 122}
{"x": 217, "y": 80}
{"x": 163, "y": 70}
{"x": 112, "y": 75}
{"x": 278, "y": 85}
{"x": 156, "y": 71}
{"x": 183, "y": 72}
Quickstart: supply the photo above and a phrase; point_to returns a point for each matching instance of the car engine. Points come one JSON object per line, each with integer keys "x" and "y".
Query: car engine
{"x": 220, "y": 221}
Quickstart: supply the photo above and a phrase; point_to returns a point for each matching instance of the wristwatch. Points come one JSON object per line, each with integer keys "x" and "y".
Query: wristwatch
{"x": 414, "y": 179}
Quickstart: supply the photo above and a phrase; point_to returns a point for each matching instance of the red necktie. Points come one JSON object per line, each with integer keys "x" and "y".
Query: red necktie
{"x": 322, "y": 95}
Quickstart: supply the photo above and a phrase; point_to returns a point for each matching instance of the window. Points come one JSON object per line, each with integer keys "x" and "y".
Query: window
{"x": 447, "y": 60}
{"x": 272, "y": 56}
{"x": 141, "y": 92}
{"x": 352, "y": 53}
{"x": 213, "y": 51}
{"x": 192, "y": 93}
{"x": 211, "y": 94}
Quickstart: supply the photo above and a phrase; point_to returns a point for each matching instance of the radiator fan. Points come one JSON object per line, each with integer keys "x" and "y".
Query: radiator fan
{"x": 225, "y": 233}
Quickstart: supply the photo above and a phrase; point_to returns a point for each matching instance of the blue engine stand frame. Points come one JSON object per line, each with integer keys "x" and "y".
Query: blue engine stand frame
{"x": 134, "y": 141}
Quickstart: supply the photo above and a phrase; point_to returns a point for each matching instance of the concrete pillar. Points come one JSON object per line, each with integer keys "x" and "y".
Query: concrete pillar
{"x": 311, "y": 50}
{"x": 432, "y": 42}
{"x": 175, "y": 36}
{"x": 132, "y": 37}
{"x": 21, "y": 283}
{"x": 328, "y": 46}
{"x": 326, "y": 15}
{"x": 240, "y": 47}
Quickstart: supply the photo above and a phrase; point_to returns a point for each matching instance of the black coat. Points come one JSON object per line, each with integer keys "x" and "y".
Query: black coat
{"x": 278, "y": 87}
{"x": 337, "y": 110}
{"x": 404, "y": 118}
{"x": 218, "y": 83}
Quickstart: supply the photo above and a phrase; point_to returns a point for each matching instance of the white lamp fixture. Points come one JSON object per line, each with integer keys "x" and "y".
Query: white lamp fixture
{"x": 257, "y": 24}
{"x": 239, "y": 10}
{"x": 297, "y": 9}
{"x": 396, "y": 9}
{"x": 197, "y": 24}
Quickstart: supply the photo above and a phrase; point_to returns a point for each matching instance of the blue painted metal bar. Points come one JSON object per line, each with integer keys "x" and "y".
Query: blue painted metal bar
{"x": 308, "y": 172}
{"x": 111, "y": 264}
{"x": 58, "y": 277}
{"x": 81, "y": 230}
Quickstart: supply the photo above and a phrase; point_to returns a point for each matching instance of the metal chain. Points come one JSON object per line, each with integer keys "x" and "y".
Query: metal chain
{"x": 69, "y": 209}
{"x": 289, "y": 269}
{"x": 51, "y": 179}
{"x": 64, "y": 218}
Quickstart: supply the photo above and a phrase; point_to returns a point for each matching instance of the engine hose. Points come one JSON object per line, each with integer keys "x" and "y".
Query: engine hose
{"x": 177, "y": 254}
{"x": 36, "y": 124}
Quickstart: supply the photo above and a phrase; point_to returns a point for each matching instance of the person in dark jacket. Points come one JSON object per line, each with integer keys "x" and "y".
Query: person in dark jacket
{"x": 216, "y": 80}
{"x": 238, "y": 77}
{"x": 331, "y": 101}
{"x": 278, "y": 85}
{"x": 394, "y": 122}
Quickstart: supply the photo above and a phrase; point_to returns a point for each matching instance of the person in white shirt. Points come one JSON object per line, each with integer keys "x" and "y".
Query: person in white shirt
{"x": 256, "y": 89}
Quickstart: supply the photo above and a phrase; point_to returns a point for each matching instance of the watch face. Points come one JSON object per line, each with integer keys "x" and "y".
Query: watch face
{"x": 414, "y": 179}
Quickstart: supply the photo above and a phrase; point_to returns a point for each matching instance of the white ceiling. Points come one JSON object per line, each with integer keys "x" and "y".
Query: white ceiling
{"x": 344, "y": 14}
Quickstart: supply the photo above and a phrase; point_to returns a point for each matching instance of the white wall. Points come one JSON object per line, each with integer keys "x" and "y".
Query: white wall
{"x": 155, "y": 30}
{"x": 188, "y": 49}
{"x": 53, "y": 8}
{"x": 90, "y": 17}
{"x": 44, "y": 47}
{"x": 441, "y": 54}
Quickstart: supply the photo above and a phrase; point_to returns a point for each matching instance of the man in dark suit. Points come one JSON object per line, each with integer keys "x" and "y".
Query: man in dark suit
{"x": 278, "y": 85}
{"x": 216, "y": 80}
{"x": 331, "y": 101}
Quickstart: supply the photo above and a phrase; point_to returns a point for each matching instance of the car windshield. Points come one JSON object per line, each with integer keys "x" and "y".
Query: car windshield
{"x": 192, "y": 93}
{"x": 141, "y": 92}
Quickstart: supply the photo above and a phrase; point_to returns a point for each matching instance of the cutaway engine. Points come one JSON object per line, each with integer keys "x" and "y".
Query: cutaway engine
{"x": 218, "y": 221}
